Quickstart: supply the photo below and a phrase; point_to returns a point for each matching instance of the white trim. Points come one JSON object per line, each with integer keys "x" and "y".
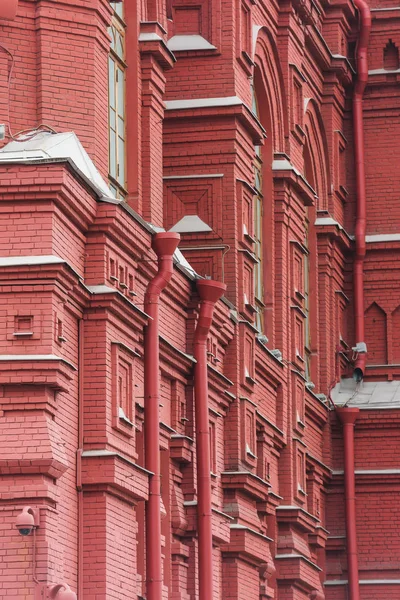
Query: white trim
{"x": 245, "y": 528}
{"x": 284, "y": 165}
{"x": 101, "y": 289}
{"x": 370, "y": 472}
{"x": 199, "y": 176}
{"x": 16, "y": 261}
{"x": 335, "y": 582}
{"x": 256, "y": 29}
{"x": 295, "y": 555}
{"x": 383, "y": 9}
{"x": 182, "y": 43}
{"x": 383, "y": 237}
{"x": 99, "y": 453}
{"x": 383, "y": 72}
{"x": 327, "y": 221}
{"x": 202, "y": 103}
{"x": 150, "y": 37}
{"x": 37, "y": 357}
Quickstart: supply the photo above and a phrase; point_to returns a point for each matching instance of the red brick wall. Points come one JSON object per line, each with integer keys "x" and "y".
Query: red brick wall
{"x": 277, "y": 454}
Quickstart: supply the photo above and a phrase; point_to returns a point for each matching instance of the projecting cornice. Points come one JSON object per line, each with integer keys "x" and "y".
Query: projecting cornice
{"x": 224, "y": 107}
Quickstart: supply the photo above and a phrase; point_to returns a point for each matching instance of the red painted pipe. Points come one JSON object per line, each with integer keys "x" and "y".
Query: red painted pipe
{"x": 8, "y": 9}
{"x": 210, "y": 292}
{"x": 361, "y": 210}
{"x": 164, "y": 245}
{"x": 348, "y": 417}
{"x": 81, "y": 364}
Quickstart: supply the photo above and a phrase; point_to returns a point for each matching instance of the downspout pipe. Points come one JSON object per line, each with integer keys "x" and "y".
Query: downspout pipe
{"x": 348, "y": 418}
{"x": 210, "y": 292}
{"x": 79, "y": 487}
{"x": 359, "y": 152}
{"x": 164, "y": 245}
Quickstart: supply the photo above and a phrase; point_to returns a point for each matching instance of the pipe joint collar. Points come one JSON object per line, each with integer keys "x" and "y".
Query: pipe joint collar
{"x": 348, "y": 416}
{"x": 209, "y": 290}
{"x": 165, "y": 243}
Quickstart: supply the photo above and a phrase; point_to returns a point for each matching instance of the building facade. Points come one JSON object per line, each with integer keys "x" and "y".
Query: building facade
{"x": 219, "y": 421}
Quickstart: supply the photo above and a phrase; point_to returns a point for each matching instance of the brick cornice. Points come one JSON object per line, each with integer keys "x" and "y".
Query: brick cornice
{"x": 113, "y": 473}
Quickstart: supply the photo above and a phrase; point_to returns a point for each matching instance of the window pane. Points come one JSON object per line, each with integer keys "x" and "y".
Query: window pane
{"x": 113, "y": 154}
{"x": 113, "y": 123}
{"x": 119, "y": 47}
{"x": 116, "y": 84}
{"x": 111, "y": 82}
{"x": 120, "y": 92}
{"x": 121, "y": 161}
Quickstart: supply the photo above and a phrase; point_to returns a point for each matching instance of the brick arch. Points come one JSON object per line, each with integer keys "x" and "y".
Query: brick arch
{"x": 376, "y": 334}
{"x": 267, "y": 61}
{"x": 317, "y": 146}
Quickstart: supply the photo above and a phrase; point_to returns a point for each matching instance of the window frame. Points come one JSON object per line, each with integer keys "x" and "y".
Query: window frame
{"x": 116, "y": 106}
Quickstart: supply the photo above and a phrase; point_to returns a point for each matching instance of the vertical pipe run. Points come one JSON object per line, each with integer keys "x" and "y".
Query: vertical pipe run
{"x": 348, "y": 418}
{"x": 164, "y": 245}
{"x": 210, "y": 292}
{"x": 359, "y": 151}
{"x": 79, "y": 456}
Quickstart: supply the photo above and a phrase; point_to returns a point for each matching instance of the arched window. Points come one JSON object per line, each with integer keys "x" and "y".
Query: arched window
{"x": 263, "y": 215}
{"x": 116, "y": 100}
{"x": 307, "y": 259}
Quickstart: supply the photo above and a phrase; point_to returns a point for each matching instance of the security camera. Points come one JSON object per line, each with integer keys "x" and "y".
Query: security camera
{"x": 27, "y": 520}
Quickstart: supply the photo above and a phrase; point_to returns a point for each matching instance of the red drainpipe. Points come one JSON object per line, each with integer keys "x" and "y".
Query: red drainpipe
{"x": 361, "y": 212}
{"x": 79, "y": 487}
{"x": 210, "y": 292}
{"x": 164, "y": 245}
{"x": 348, "y": 418}
{"x": 8, "y": 9}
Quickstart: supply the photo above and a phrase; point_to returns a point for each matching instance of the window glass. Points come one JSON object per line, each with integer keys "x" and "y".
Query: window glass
{"x": 258, "y": 217}
{"x": 116, "y": 96}
{"x": 307, "y": 334}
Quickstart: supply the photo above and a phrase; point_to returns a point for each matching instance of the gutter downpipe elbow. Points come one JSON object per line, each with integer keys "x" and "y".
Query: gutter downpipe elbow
{"x": 348, "y": 417}
{"x": 359, "y": 151}
{"x": 164, "y": 245}
{"x": 210, "y": 292}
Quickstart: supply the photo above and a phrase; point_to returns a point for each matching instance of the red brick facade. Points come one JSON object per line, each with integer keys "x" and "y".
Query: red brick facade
{"x": 240, "y": 113}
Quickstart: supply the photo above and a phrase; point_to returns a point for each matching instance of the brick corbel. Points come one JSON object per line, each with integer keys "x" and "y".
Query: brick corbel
{"x": 247, "y": 482}
{"x": 220, "y": 523}
{"x": 45, "y": 371}
{"x": 151, "y": 43}
{"x": 113, "y": 473}
{"x": 30, "y": 444}
{"x": 298, "y": 517}
{"x": 249, "y": 545}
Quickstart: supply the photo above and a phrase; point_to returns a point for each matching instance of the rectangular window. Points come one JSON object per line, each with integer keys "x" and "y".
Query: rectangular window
{"x": 116, "y": 99}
